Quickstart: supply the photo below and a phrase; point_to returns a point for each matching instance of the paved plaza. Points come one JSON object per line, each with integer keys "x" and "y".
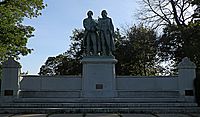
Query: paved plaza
{"x": 101, "y": 115}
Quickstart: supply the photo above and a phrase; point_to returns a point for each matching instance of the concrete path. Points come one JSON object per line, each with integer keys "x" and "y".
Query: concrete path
{"x": 100, "y": 115}
{"x": 173, "y": 115}
{"x": 137, "y": 115}
{"x": 66, "y": 115}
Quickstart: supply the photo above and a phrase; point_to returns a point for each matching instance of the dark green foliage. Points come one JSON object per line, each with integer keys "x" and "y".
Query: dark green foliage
{"x": 69, "y": 62}
{"x": 195, "y": 2}
{"x": 180, "y": 37}
{"x": 136, "y": 53}
{"x": 61, "y": 65}
{"x": 13, "y": 34}
{"x": 76, "y": 48}
{"x": 178, "y": 42}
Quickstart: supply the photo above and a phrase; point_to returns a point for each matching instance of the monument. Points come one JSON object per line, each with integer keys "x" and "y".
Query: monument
{"x": 98, "y": 36}
{"x": 99, "y": 62}
{"x": 90, "y": 37}
{"x": 98, "y": 89}
{"x": 106, "y": 32}
{"x": 10, "y": 81}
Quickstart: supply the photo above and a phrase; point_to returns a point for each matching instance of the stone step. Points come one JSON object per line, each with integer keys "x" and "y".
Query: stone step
{"x": 103, "y": 110}
{"x": 94, "y": 105}
{"x": 149, "y": 94}
{"x": 128, "y": 100}
{"x": 120, "y": 94}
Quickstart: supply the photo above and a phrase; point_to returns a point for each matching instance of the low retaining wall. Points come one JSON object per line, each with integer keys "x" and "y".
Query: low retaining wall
{"x": 152, "y": 83}
{"x": 50, "y": 83}
{"x": 127, "y": 83}
{"x": 151, "y": 87}
{"x": 32, "y": 86}
{"x": 15, "y": 86}
{"x": 71, "y": 86}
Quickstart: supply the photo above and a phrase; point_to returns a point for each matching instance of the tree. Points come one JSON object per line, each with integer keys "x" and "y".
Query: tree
{"x": 67, "y": 63}
{"x": 195, "y": 2}
{"x": 166, "y": 12}
{"x": 180, "y": 37}
{"x": 136, "y": 53}
{"x": 13, "y": 34}
{"x": 179, "y": 42}
{"x": 60, "y": 65}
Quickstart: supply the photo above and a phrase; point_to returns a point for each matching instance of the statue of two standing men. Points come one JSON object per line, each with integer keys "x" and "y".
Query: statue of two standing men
{"x": 98, "y": 39}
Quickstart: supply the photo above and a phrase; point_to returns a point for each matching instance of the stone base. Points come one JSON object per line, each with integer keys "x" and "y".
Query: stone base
{"x": 50, "y": 94}
{"x": 99, "y": 94}
{"x": 99, "y": 107}
{"x": 98, "y": 77}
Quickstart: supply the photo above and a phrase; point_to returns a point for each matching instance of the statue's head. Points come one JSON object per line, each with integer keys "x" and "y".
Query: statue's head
{"x": 104, "y": 13}
{"x": 89, "y": 13}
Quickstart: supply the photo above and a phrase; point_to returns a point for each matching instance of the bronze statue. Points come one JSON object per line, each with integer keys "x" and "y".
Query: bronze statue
{"x": 106, "y": 32}
{"x": 90, "y": 37}
{"x": 98, "y": 38}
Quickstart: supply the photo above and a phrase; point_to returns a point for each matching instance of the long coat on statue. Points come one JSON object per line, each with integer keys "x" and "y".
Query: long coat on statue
{"x": 106, "y": 32}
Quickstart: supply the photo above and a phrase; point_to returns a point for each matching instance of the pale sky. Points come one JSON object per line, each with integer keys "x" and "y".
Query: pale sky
{"x": 58, "y": 20}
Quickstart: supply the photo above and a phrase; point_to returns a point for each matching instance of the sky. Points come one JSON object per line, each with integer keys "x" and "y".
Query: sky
{"x": 54, "y": 27}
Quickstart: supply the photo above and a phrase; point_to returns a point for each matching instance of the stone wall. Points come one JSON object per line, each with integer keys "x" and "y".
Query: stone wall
{"x": 126, "y": 86}
{"x": 143, "y": 83}
{"x": 16, "y": 86}
{"x": 50, "y": 86}
{"x": 147, "y": 87}
{"x": 50, "y": 83}
{"x": 65, "y": 83}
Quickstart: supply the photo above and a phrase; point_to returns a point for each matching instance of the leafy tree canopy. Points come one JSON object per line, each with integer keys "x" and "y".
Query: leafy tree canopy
{"x": 135, "y": 51}
{"x": 195, "y": 2}
{"x": 13, "y": 34}
{"x": 179, "y": 42}
{"x": 67, "y": 63}
{"x": 180, "y": 37}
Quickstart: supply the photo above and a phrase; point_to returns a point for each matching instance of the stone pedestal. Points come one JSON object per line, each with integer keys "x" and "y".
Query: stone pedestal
{"x": 10, "y": 79}
{"x": 98, "y": 77}
{"x": 187, "y": 74}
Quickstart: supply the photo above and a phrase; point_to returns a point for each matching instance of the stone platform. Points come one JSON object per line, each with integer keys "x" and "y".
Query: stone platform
{"x": 98, "y": 90}
{"x": 99, "y": 105}
{"x": 99, "y": 77}
{"x": 103, "y": 115}
{"x": 99, "y": 108}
